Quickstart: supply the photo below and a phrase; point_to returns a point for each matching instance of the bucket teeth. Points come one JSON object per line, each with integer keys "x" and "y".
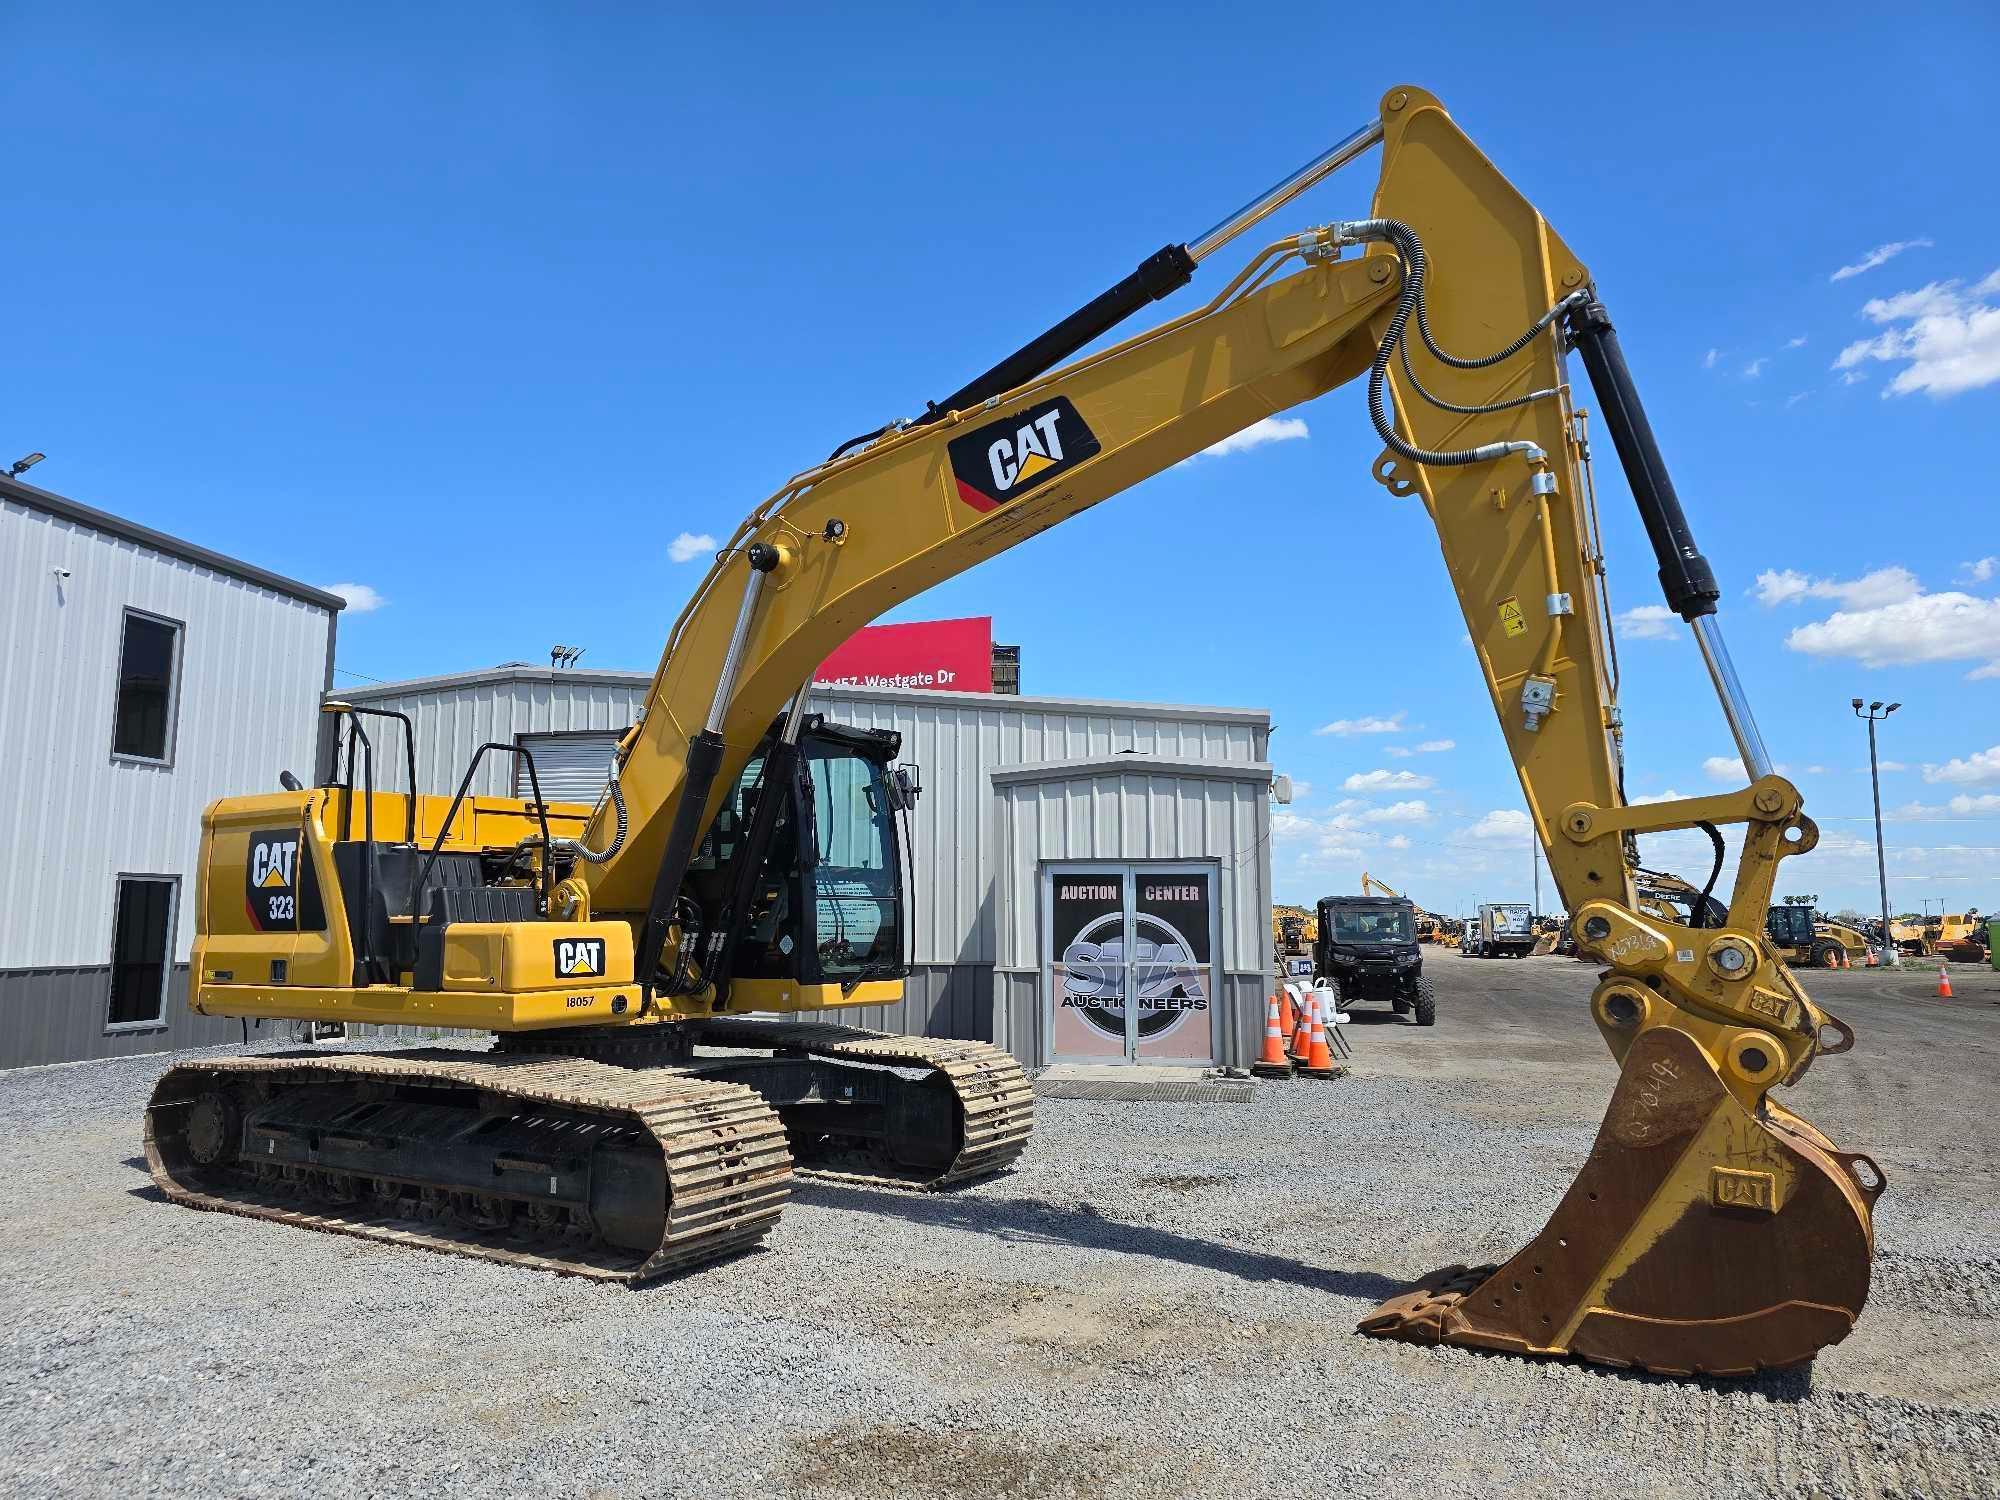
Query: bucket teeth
{"x": 1696, "y": 1239}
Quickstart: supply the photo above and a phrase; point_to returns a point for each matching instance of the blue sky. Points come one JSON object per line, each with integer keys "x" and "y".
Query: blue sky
{"x": 475, "y": 307}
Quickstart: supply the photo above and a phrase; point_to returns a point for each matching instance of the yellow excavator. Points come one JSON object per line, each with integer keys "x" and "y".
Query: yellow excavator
{"x": 1430, "y": 927}
{"x": 631, "y": 1119}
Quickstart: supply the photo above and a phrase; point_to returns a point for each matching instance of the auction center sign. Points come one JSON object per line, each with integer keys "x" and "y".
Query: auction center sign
{"x": 952, "y": 656}
{"x": 1161, "y": 979}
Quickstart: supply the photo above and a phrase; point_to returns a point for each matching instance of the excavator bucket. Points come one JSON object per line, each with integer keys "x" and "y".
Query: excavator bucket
{"x": 1697, "y": 1239}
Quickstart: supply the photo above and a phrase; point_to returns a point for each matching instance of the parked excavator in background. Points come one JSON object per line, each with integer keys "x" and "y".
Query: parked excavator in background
{"x": 1431, "y": 928}
{"x": 633, "y": 1120}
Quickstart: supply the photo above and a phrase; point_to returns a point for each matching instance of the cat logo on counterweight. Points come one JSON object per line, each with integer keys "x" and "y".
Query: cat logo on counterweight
{"x": 579, "y": 958}
{"x": 1004, "y": 459}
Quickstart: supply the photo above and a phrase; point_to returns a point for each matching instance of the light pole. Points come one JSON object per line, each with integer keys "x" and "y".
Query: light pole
{"x": 1872, "y": 714}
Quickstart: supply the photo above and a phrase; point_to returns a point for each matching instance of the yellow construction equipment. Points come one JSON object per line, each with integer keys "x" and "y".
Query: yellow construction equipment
{"x": 1431, "y": 927}
{"x": 1294, "y": 930}
{"x": 1804, "y": 938}
{"x": 747, "y": 857}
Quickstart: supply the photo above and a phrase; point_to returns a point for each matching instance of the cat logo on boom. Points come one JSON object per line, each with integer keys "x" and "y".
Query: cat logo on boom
{"x": 579, "y": 958}
{"x": 1004, "y": 459}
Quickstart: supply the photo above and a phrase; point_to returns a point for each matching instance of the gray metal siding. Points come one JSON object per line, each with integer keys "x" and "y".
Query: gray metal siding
{"x": 452, "y": 721}
{"x": 252, "y": 661}
{"x": 956, "y": 738}
{"x": 1138, "y": 815}
{"x": 976, "y": 846}
{"x": 57, "y": 1015}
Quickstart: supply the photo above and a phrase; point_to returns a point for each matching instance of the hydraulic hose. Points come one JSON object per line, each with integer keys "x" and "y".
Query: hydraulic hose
{"x": 598, "y": 856}
{"x": 1410, "y": 303}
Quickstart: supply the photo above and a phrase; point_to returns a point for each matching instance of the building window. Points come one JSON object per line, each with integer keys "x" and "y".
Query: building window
{"x": 141, "y": 950}
{"x": 148, "y": 662}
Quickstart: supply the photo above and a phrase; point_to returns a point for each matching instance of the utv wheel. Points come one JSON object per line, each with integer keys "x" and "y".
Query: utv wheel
{"x": 1426, "y": 1003}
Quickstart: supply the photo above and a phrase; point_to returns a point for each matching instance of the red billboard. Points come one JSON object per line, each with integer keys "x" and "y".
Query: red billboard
{"x": 952, "y": 656}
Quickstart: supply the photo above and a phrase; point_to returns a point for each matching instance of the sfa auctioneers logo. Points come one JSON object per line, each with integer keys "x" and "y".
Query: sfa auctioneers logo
{"x": 1166, "y": 979}
{"x": 1005, "y": 459}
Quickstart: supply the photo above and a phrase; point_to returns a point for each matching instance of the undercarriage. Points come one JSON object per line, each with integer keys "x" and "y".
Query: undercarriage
{"x": 621, "y": 1155}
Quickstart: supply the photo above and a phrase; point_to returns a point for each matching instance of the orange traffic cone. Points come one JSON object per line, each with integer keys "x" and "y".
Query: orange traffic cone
{"x": 1273, "y": 1064}
{"x": 1319, "y": 1061}
{"x": 1944, "y": 984}
{"x": 1302, "y": 1033}
{"x": 1872, "y": 960}
{"x": 1288, "y": 1018}
{"x": 1845, "y": 961}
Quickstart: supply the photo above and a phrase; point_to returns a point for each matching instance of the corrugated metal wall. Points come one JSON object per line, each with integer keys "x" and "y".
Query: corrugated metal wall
{"x": 253, "y": 663}
{"x": 956, "y": 738}
{"x": 454, "y": 716}
{"x": 1139, "y": 815}
{"x": 977, "y": 842}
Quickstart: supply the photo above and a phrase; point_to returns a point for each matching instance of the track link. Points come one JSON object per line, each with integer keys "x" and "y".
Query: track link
{"x": 728, "y": 1169}
{"x": 995, "y": 1100}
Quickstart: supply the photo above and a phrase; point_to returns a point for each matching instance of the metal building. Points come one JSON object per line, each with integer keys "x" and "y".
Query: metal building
{"x": 1067, "y": 853}
{"x": 143, "y": 677}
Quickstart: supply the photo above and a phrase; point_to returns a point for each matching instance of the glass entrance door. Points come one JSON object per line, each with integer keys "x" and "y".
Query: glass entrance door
{"x": 1129, "y": 972}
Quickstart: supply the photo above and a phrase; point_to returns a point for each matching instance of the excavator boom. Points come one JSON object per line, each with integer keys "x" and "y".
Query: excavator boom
{"x": 1711, "y": 1229}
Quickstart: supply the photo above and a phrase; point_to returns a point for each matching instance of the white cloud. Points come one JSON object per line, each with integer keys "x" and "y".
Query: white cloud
{"x": 1755, "y": 368}
{"x": 1502, "y": 823}
{"x": 1985, "y": 802}
{"x": 1416, "y": 810}
{"x": 1815, "y": 770}
{"x": 1648, "y": 622}
{"x": 1797, "y": 343}
{"x": 1980, "y": 571}
{"x": 1891, "y": 585}
{"x": 1257, "y": 434}
{"x": 1388, "y": 781}
{"x": 1301, "y": 789}
{"x": 1724, "y": 768}
{"x": 687, "y": 546}
{"x": 1976, "y": 769}
{"x": 1880, "y": 255}
{"x": 1436, "y": 747}
{"x": 1948, "y": 341}
{"x": 1949, "y": 626}
{"x": 1398, "y": 842}
{"x": 1853, "y": 377}
{"x": 1398, "y": 751}
{"x": 1708, "y": 360}
{"x": 1890, "y": 765}
{"x": 1796, "y": 397}
{"x": 360, "y": 598}
{"x": 1669, "y": 795}
{"x": 1344, "y": 727}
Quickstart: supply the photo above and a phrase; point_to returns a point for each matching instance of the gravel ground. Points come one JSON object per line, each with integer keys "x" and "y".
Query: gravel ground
{"x": 1160, "y": 1301}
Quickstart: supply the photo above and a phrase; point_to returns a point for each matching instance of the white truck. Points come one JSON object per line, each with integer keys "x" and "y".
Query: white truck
{"x": 1503, "y": 929}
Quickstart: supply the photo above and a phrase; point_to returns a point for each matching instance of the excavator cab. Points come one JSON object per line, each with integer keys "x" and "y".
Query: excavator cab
{"x": 826, "y": 905}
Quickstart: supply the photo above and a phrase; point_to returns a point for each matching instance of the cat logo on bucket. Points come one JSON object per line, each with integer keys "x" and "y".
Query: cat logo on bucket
{"x": 270, "y": 873}
{"x": 579, "y": 958}
{"x": 995, "y": 463}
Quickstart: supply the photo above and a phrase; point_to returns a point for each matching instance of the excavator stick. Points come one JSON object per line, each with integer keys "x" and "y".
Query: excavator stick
{"x": 1697, "y": 1239}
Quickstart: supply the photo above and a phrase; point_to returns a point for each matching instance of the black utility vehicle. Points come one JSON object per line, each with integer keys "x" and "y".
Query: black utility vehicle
{"x": 1367, "y": 950}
